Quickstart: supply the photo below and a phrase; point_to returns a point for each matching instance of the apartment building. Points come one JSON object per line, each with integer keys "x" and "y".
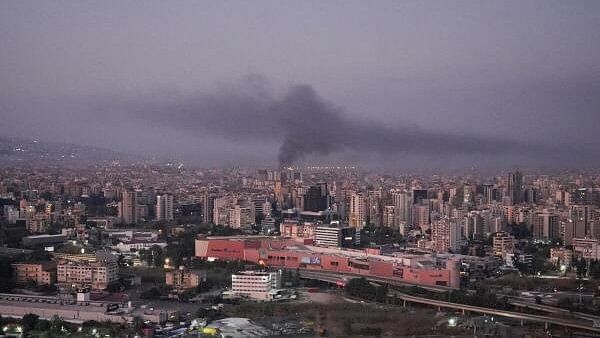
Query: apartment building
{"x": 42, "y": 273}
{"x": 95, "y": 275}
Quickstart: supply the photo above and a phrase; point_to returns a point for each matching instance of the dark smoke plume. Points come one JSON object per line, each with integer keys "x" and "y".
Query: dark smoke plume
{"x": 304, "y": 123}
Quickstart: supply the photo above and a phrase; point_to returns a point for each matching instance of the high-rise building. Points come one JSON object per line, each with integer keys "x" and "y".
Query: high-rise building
{"x": 446, "y": 235}
{"x": 207, "y": 202}
{"x": 582, "y": 218}
{"x": 488, "y": 193}
{"x": 317, "y": 198}
{"x": 514, "y": 187}
{"x": 467, "y": 195}
{"x": 421, "y": 216}
{"x": 128, "y": 207}
{"x": 545, "y": 226}
{"x": 358, "y": 210}
{"x": 419, "y": 195}
{"x": 164, "y": 207}
{"x": 403, "y": 207}
{"x": 389, "y": 216}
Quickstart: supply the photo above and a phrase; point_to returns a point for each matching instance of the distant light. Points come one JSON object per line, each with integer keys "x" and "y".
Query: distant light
{"x": 452, "y": 321}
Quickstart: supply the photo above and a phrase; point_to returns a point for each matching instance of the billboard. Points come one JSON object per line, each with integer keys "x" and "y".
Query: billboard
{"x": 311, "y": 260}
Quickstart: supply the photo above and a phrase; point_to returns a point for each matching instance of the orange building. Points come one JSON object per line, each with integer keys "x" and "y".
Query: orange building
{"x": 42, "y": 273}
{"x": 278, "y": 253}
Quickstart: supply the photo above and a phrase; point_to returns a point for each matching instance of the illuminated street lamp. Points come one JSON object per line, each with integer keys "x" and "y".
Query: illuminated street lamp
{"x": 452, "y": 321}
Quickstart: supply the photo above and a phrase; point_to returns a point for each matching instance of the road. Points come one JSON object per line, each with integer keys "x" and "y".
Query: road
{"x": 546, "y": 320}
{"x": 572, "y": 323}
{"x": 333, "y": 277}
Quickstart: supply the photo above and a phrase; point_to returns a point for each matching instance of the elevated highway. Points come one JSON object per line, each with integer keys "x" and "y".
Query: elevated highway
{"x": 582, "y": 321}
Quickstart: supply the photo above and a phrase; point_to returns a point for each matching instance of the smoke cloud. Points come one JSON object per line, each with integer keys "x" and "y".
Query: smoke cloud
{"x": 304, "y": 123}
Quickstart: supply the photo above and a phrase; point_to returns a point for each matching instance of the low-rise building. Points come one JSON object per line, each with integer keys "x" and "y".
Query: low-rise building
{"x": 255, "y": 285}
{"x": 503, "y": 244}
{"x": 588, "y": 248}
{"x": 42, "y": 273}
{"x": 95, "y": 275}
{"x": 335, "y": 235}
{"x": 561, "y": 257}
{"x": 182, "y": 278}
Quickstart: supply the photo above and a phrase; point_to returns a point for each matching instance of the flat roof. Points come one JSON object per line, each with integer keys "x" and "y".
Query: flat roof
{"x": 45, "y": 236}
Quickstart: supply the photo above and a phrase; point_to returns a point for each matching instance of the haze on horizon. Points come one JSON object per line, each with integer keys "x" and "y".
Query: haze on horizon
{"x": 395, "y": 83}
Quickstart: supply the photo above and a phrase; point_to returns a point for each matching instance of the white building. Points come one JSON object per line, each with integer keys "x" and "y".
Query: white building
{"x": 335, "y": 235}
{"x": 255, "y": 285}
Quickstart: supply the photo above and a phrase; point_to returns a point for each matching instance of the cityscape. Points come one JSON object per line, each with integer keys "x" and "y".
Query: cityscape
{"x": 299, "y": 169}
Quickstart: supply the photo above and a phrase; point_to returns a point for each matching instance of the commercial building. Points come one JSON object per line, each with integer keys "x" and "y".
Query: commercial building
{"x": 278, "y": 253}
{"x": 336, "y": 235}
{"x": 255, "y": 285}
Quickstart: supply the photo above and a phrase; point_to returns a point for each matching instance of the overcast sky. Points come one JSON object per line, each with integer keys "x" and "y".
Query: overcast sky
{"x": 173, "y": 78}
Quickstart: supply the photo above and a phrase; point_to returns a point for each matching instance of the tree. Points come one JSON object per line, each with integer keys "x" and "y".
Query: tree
{"x": 42, "y": 326}
{"x": 56, "y": 324}
{"x": 595, "y": 269}
{"x": 581, "y": 268}
{"x": 29, "y": 321}
{"x": 520, "y": 231}
{"x": 138, "y": 323}
{"x": 565, "y": 303}
{"x": 6, "y": 272}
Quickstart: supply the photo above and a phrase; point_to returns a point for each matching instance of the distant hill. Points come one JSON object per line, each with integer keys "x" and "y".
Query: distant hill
{"x": 23, "y": 151}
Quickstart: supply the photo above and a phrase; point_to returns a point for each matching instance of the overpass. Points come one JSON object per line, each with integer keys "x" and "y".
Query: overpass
{"x": 337, "y": 278}
{"x": 571, "y": 323}
{"x": 579, "y": 323}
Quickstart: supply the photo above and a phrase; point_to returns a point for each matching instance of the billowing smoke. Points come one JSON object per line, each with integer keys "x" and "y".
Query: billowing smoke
{"x": 303, "y": 122}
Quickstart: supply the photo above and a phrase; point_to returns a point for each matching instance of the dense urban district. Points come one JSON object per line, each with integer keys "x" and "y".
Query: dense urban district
{"x": 163, "y": 250}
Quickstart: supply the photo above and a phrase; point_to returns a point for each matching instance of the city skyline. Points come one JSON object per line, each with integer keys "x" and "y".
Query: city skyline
{"x": 408, "y": 84}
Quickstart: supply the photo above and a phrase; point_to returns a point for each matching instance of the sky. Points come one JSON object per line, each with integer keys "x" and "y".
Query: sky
{"x": 391, "y": 83}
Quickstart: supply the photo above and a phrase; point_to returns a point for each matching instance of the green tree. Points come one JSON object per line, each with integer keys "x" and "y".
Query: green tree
{"x": 29, "y": 321}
